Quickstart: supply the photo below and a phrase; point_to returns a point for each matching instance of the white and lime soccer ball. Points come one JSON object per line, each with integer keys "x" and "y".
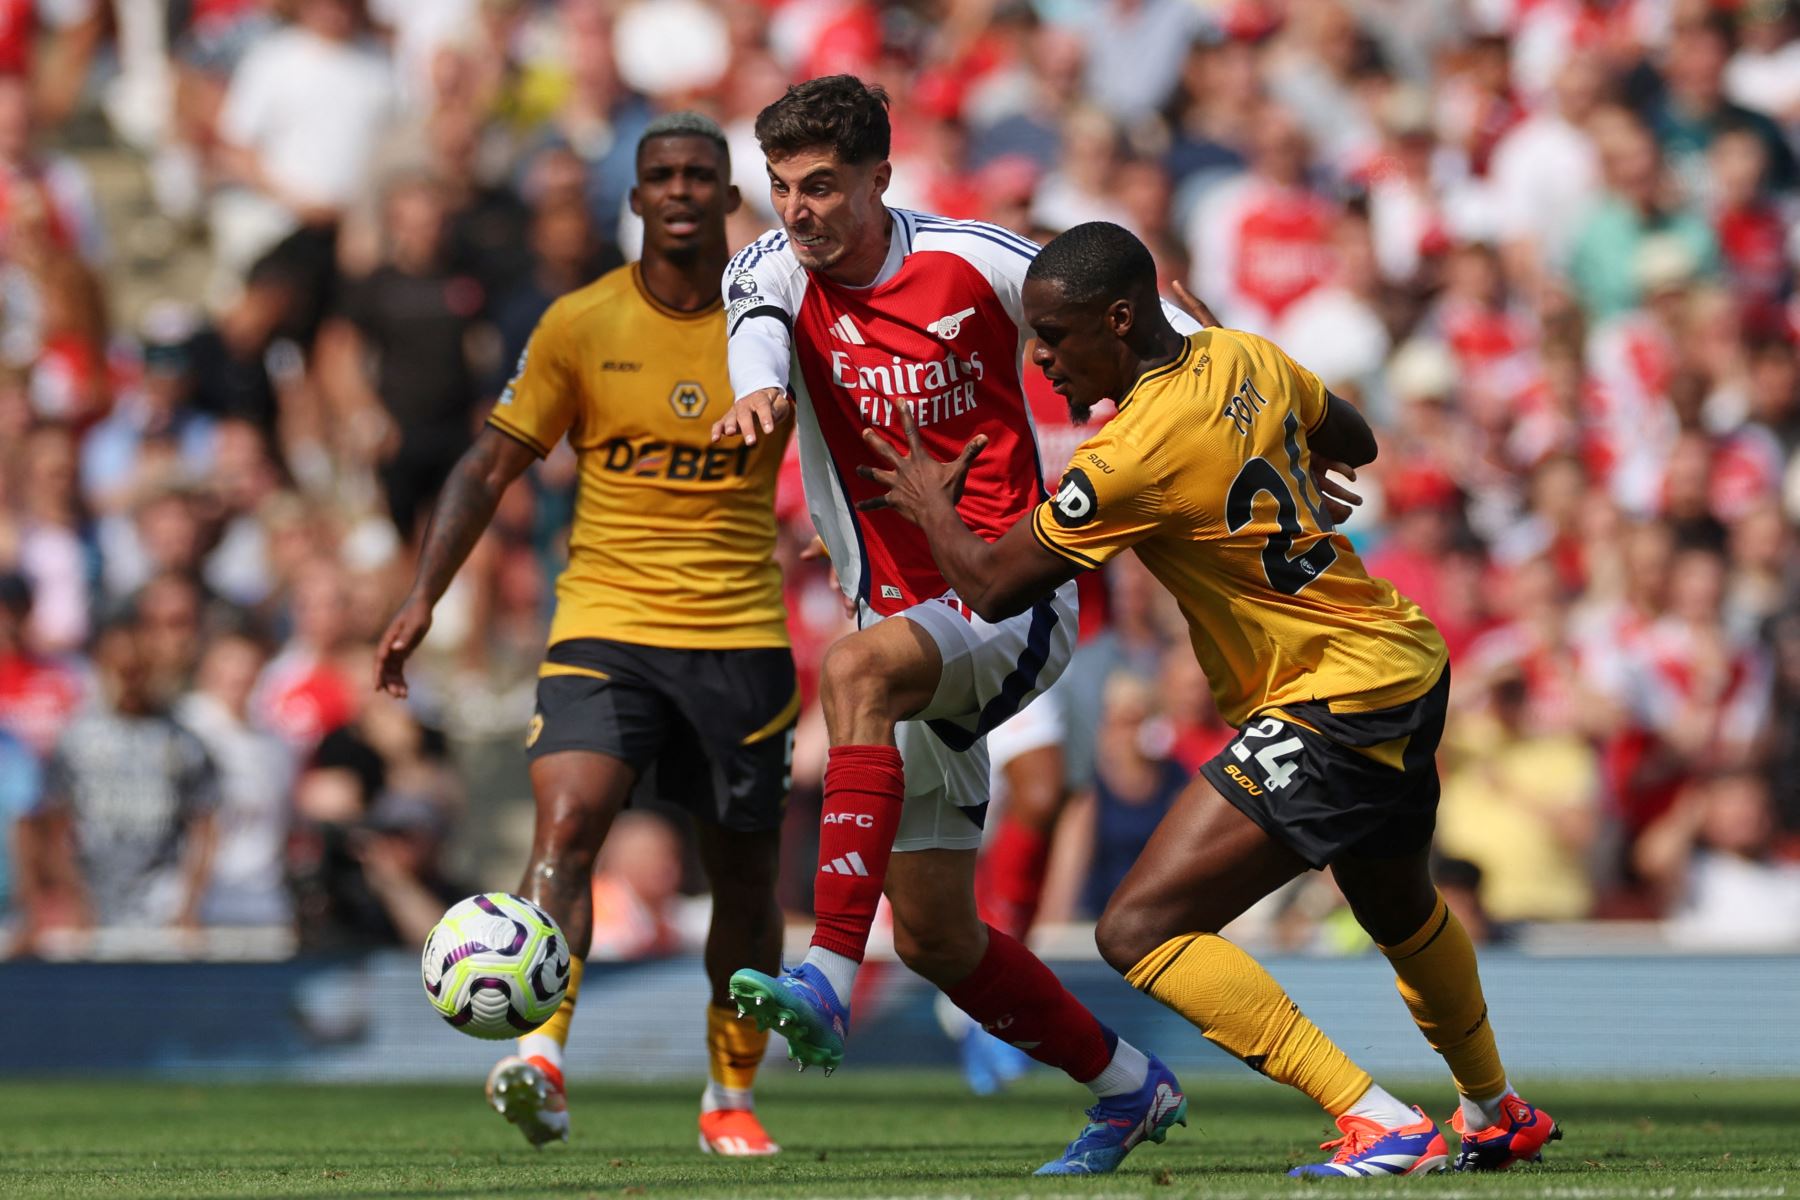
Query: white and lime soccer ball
{"x": 496, "y": 966}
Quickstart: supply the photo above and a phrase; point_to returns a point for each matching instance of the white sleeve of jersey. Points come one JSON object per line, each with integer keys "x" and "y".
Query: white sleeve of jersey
{"x": 763, "y": 287}
{"x": 1002, "y": 257}
{"x": 1178, "y": 317}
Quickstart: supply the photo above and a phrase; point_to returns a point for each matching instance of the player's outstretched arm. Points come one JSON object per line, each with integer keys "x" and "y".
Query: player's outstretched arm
{"x": 996, "y": 579}
{"x": 754, "y": 415}
{"x": 462, "y": 512}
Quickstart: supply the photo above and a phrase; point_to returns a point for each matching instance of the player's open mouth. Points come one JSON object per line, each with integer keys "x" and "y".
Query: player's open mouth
{"x": 682, "y": 224}
{"x": 811, "y": 242}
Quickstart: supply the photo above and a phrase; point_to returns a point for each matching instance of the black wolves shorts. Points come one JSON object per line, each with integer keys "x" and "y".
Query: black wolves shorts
{"x": 709, "y": 730}
{"x": 1356, "y": 785}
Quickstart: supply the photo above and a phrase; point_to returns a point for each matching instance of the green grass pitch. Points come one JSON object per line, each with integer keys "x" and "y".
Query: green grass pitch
{"x": 879, "y": 1134}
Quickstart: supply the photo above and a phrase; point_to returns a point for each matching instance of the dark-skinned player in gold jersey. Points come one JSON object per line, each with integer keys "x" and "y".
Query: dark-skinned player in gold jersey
{"x": 1214, "y": 471}
{"x": 668, "y": 662}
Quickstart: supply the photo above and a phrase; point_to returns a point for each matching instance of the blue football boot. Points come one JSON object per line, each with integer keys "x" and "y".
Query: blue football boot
{"x": 1118, "y": 1123}
{"x": 1369, "y": 1149}
{"x": 801, "y": 1006}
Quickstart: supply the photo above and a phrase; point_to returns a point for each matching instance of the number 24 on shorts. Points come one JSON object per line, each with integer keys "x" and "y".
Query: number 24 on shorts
{"x": 1276, "y": 773}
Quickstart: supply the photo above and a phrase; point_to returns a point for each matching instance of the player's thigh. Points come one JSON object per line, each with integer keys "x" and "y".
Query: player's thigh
{"x": 991, "y": 671}
{"x": 1203, "y": 867}
{"x": 596, "y": 727}
{"x": 876, "y": 676}
{"x": 577, "y": 794}
{"x": 1385, "y": 873}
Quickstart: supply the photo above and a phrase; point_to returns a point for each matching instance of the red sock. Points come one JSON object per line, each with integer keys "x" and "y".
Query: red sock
{"x": 1013, "y": 873}
{"x": 864, "y": 788}
{"x": 1019, "y": 1000}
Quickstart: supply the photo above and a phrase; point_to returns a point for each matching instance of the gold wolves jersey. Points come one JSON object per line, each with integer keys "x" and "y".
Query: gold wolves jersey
{"x": 1205, "y": 472}
{"x": 674, "y": 538}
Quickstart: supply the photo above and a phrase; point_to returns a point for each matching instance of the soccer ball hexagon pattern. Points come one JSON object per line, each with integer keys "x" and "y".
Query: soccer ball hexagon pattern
{"x": 496, "y": 966}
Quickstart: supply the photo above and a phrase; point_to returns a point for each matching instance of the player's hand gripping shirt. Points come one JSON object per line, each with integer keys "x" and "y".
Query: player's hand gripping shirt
{"x": 941, "y": 330}
{"x": 674, "y": 538}
{"x": 1206, "y": 472}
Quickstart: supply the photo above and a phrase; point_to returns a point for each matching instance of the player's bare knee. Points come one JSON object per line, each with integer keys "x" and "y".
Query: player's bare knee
{"x": 1126, "y": 934}
{"x": 1390, "y": 898}
{"x": 944, "y": 956}
{"x": 569, "y": 833}
{"x": 855, "y": 689}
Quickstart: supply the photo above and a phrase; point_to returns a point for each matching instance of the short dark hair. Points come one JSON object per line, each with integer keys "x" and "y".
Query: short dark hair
{"x": 685, "y": 124}
{"x": 1096, "y": 262}
{"x": 840, "y": 111}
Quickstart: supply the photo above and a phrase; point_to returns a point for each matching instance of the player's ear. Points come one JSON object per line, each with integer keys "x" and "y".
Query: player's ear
{"x": 881, "y": 176}
{"x": 734, "y": 199}
{"x": 1120, "y": 317}
{"x": 637, "y": 205}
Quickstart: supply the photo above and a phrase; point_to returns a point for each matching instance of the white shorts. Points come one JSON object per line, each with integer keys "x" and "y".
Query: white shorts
{"x": 990, "y": 673}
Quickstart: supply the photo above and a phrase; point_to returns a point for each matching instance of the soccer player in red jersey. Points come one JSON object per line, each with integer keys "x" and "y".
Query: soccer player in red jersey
{"x": 846, "y": 316}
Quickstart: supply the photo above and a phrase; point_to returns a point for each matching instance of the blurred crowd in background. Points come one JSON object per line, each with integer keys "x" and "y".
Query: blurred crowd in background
{"x": 264, "y": 265}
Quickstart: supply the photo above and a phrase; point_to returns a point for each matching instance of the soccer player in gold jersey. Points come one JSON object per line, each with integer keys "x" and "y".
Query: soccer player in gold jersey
{"x": 1214, "y": 472}
{"x": 668, "y": 658}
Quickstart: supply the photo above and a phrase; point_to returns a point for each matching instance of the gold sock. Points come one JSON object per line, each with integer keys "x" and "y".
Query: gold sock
{"x": 1240, "y": 1008}
{"x": 1437, "y": 977}
{"x": 557, "y": 1027}
{"x": 734, "y": 1047}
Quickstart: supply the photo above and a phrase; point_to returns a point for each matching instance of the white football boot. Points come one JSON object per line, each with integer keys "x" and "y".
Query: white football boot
{"x": 529, "y": 1093}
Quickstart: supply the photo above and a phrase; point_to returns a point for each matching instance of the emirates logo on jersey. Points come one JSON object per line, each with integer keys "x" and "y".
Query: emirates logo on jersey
{"x": 935, "y": 390}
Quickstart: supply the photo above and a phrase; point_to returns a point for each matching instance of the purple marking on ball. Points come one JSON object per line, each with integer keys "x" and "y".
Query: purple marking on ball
{"x": 461, "y": 952}
{"x": 520, "y": 933}
{"x": 537, "y": 988}
{"x": 467, "y": 1013}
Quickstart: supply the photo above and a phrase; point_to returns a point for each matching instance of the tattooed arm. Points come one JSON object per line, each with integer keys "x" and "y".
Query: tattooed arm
{"x": 462, "y": 512}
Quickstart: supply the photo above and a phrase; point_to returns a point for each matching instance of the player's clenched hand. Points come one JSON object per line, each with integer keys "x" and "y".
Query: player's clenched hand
{"x": 918, "y": 482}
{"x": 1193, "y": 305}
{"x": 1339, "y": 500}
{"x": 754, "y": 415}
{"x": 398, "y": 641}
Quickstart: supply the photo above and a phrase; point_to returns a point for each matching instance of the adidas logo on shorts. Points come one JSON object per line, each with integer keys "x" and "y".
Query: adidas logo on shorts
{"x": 848, "y": 864}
